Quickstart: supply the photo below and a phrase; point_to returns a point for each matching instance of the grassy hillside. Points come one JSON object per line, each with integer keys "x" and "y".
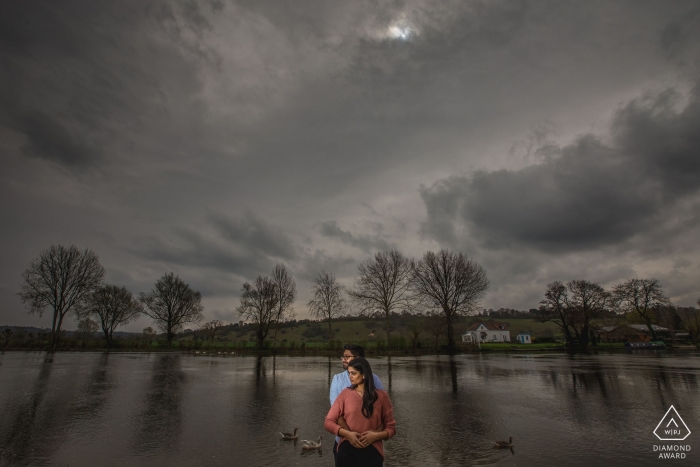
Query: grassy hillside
{"x": 368, "y": 332}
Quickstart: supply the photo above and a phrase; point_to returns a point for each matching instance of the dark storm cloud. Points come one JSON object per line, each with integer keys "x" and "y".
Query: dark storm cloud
{"x": 352, "y": 122}
{"x": 48, "y": 138}
{"x": 316, "y": 261}
{"x": 245, "y": 246}
{"x": 679, "y": 39}
{"x": 365, "y": 243}
{"x": 256, "y": 235}
{"x": 163, "y": 112}
{"x": 82, "y": 79}
{"x": 588, "y": 194}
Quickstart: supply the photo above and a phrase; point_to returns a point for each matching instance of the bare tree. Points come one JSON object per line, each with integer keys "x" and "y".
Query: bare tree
{"x": 590, "y": 302}
{"x": 555, "y": 308}
{"x": 149, "y": 334}
{"x": 61, "y": 278}
{"x": 172, "y": 304}
{"x": 328, "y": 302}
{"x": 434, "y": 322}
{"x": 212, "y": 326}
{"x": 112, "y": 306}
{"x": 87, "y": 328}
{"x": 7, "y": 332}
{"x": 286, "y": 290}
{"x": 641, "y": 296}
{"x": 415, "y": 328}
{"x": 382, "y": 286}
{"x": 259, "y": 305}
{"x": 451, "y": 284}
{"x": 690, "y": 318}
{"x": 691, "y": 323}
{"x": 575, "y": 306}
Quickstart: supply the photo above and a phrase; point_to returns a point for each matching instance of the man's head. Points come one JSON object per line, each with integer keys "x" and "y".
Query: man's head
{"x": 351, "y": 351}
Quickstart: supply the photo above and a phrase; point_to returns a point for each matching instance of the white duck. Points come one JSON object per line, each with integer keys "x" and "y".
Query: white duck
{"x": 307, "y": 445}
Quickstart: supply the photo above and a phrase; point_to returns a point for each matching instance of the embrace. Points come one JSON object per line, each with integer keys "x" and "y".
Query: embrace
{"x": 361, "y": 414}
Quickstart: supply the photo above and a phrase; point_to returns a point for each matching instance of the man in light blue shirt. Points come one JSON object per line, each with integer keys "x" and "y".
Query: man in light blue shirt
{"x": 342, "y": 379}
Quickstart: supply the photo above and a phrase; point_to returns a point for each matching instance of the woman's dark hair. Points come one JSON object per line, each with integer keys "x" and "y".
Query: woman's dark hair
{"x": 370, "y": 395}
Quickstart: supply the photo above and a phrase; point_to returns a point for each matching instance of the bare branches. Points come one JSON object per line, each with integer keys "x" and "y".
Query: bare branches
{"x": 171, "y": 304}
{"x": 451, "y": 284}
{"x": 259, "y": 305}
{"x": 690, "y": 318}
{"x": 112, "y": 306}
{"x": 212, "y": 327}
{"x": 555, "y": 308}
{"x": 642, "y": 296}
{"x": 286, "y": 290}
{"x": 575, "y": 306}
{"x": 328, "y": 302}
{"x": 87, "y": 328}
{"x": 382, "y": 285}
{"x": 60, "y": 278}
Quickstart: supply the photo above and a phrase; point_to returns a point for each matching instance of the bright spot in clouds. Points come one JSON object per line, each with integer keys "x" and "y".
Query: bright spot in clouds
{"x": 401, "y": 32}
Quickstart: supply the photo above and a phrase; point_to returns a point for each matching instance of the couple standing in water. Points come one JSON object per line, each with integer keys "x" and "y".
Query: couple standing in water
{"x": 361, "y": 414}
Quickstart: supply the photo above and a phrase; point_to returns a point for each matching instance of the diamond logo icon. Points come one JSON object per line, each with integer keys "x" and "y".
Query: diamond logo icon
{"x": 672, "y": 427}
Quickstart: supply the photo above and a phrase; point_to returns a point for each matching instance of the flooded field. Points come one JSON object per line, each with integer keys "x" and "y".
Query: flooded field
{"x": 170, "y": 409}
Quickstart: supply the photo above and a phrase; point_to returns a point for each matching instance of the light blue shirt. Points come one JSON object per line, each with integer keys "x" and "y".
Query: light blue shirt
{"x": 342, "y": 381}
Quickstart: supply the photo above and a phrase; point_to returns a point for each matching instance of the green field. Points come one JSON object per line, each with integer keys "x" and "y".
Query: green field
{"x": 408, "y": 333}
{"x": 369, "y": 333}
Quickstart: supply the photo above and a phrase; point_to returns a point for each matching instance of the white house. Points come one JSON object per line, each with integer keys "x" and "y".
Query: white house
{"x": 486, "y": 332}
{"x": 524, "y": 338}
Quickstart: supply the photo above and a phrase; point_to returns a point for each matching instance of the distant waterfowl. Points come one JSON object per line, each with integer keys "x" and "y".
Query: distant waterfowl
{"x": 307, "y": 445}
{"x": 290, "y": 436}
{"x": 504, "y": 444}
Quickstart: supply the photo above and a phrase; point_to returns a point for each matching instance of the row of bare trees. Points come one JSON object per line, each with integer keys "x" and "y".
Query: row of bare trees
{"x": 445, "y": 283}
{"x": 70, "y": 281}
{"x": 578, "y": 306}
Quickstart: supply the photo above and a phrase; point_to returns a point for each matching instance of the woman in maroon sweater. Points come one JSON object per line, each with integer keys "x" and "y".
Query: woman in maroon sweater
{"x": 369, "y": 417}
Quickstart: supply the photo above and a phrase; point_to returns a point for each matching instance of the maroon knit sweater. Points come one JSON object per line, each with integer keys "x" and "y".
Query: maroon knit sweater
{"x": 349, "y": 405}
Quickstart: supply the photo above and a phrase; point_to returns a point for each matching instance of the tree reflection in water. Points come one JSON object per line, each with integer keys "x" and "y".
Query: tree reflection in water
{"x": 161, "y": 419}
{"x": 179, "y": 410}
{"x": 24, "y": 436}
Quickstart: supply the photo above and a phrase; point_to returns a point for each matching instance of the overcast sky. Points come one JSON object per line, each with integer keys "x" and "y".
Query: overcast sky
{"x": 546, "y": 140}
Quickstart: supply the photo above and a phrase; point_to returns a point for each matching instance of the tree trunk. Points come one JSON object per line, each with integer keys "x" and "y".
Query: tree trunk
{"x": 583, "y": 338}
{"x": 261, "y": 341}
{"x": 274, "y": 337}
{"x": 58, "y": 331}
{"x": 647, "y": 320}
{"x": 53, "y": 329}
{"x": 330, "y": 334}
{"x": 388, "y": 332}
{"x": 567, "y": 335}
{"x": 450, "y": 338}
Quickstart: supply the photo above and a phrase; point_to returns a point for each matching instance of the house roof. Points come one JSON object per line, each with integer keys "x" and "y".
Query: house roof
{"x": 490, "y": 325}
{"x": 643, "y": 327}
{"x": 636, "y": 327}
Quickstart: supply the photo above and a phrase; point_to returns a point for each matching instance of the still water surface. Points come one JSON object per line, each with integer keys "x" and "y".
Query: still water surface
{"x": 84, "y": 409}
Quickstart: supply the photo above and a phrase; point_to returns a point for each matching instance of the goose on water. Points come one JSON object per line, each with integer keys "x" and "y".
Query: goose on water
{"x": 504, "y": 444}
{"x": 290, "y": 436}
{"x": 307, "y": 445}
